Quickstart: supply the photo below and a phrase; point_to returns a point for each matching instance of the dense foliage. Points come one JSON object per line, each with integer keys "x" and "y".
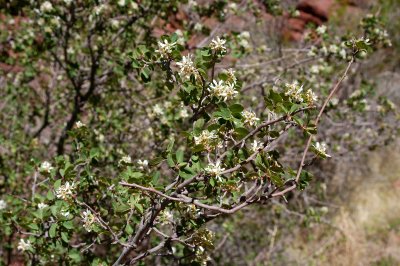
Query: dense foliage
{"x": 122, "y": 138}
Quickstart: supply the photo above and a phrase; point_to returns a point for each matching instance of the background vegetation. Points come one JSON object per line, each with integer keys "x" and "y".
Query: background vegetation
{"x": 199, "y": 133}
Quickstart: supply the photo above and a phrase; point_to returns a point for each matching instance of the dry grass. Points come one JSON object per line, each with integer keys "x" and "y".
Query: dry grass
{"x": 368, "y": 221}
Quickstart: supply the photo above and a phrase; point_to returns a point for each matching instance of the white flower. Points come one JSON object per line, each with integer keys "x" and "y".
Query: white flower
{"x": 165, "y": 48}
{"x": 294, "y": 91}
{"x": 88, "y": 220}
{"x": 229, "y": 92}
{"x": 231, "y": 76}
{"x": 244, "y": 43}
{"x": 324, "y": 50}
{"x": 134, "y": 5}
{"x": 46, "y": 7}
{"x": 314, "y": 69}
{"x": 222, "y": 90}
{"x": 126, "y": 160}
{"x": 198, "y": 26}
{"x": 321, "y": 29}
{"x": 115, "y": 23}
{"x": 334, "y": 101}
{"x": 158, "y": 110}
{"x": 71, "y": 51}
{"x": 321, "y": 148}
{"x": 99, "y": 9}
{"x": 65, "y": 191}
{"x": 181, "y": 38}
{"x": 313, "y": 51}
{"x": 65, "y": 213}
{"x": 218, "y": 45}
{"x": 334, "y": 49}
{"x": 45, "y": 167}
{"x": 343, "y": 53}
{"x": 250, "y": 118}
{"x": 356, "y": 94}
{"x": 207, "y": 139}
{"x": 23, "y": 246}
{"x": 3, "y": 205}
{"x": 310, "y": 96}
{"x": 233, "y": 7}
{"x": 42, "y": 205}
{"x": 142, "y": 164}
{"x": 167, "y": 217}
{"x": 256, "y": 146}
{"x": 79, "y": 124}
{"x": 244, "y": 35}
{"x": 183, "y": 113}
{"x": 215, "y": 170}
{"x": 187, "y": 67}
{"x": 68, "y": 2}
{"x": 296, "y": 13}
{"x": 122, "y": 2}
{"x": 217, "y": 88}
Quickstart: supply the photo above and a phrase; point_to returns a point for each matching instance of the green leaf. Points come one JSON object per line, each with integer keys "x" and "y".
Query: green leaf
{"x": 187, "y": 172}
{"x": 68, "y": 224}
{"x": 170, "y": 145}
{"x": 33, "y": 226}
{"x": 241, "y": 132}
{"x": 139, "y": 207}
{"x": 128, "y": 229}
{"x": 57, "y": 184}
{"x": 236, "y": 108}
{"x": 179, "y": 156}
{"x": 277, "y": 180}
{"x": 170, "y": 160}
{"x": 94, "y": 152}
{"x": 64, "y": 237}
{"x": 75, "y": 255}
{"x": 305, "y": 178}
{"x": 50, "y": 195}
{"x": 52, "y": 230}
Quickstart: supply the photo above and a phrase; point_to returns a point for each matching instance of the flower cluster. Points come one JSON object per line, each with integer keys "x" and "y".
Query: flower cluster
{"x": 65, "y": 191}
{"x": 215, "y": 170}
{"x": 244, "y": 38}
{"x": 88, "y": 220}
{"x": 46, "y": 7}
{"x": 321, "y": 149}
{"x": 45, "y": 167}
{"x": 218, "y": 45}
{"x": 294, "y": 91}
{"x": 23, "y": 246}
{"x": 187, "y": 68}
{"x": 250, "y": 118}
{"x": 256, "y": 146}
{"x": 166, "y": 217}
{"x": 165, "y": 48}
{"x": 231, "y": 78}
{"x": 310, "y": 97}
{"x": 142, "y": 164}
{"x": 125, "y": 160}
{"x": 321, "y": 30}
{"x": 221, "y": 89}
{"x": 79, "y": 124}
{"x": 208, "y": 139}
{"x": 42, "y": 205}
{"x": 3, "y": 205}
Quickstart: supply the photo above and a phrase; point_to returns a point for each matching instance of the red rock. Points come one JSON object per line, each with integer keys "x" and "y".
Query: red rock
{"x": 316, "y": 8}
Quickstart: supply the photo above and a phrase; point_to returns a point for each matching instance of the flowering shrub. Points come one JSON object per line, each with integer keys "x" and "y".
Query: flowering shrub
{"x": 127, "y": 144}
